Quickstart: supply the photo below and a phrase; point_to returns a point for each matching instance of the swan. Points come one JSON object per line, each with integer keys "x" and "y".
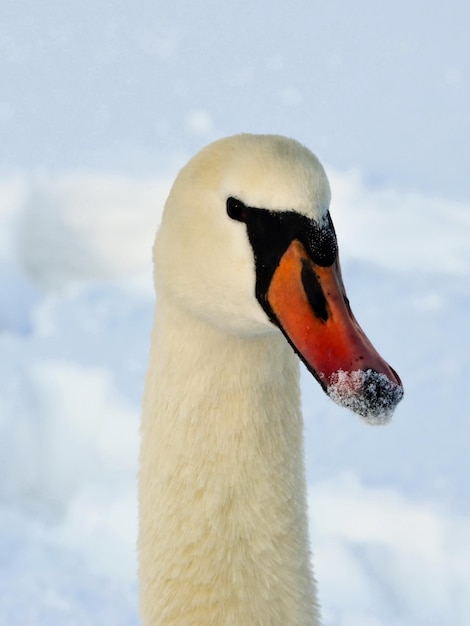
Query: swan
{"x": 248, "y": 284}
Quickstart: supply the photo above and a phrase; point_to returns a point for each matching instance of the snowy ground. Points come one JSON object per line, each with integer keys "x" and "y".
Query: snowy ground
{"x": 390, "y": 507}
{"x": 132, "y": 89}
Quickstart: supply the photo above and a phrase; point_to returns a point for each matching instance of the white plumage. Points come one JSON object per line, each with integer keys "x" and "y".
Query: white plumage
{"x": 222, "y": 501}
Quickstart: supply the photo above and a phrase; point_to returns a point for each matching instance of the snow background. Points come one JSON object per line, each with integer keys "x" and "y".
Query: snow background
{"x": 101, "y": 103}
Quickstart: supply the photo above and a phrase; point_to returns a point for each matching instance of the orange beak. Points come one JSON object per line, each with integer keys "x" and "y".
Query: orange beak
{"x": 311, "y": 308}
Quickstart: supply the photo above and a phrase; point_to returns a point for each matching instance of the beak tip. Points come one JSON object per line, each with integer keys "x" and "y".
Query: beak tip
{"x": 370, "y": 394}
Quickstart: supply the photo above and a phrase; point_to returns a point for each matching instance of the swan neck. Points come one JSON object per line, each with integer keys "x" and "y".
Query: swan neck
{"x": 223, "y": 526}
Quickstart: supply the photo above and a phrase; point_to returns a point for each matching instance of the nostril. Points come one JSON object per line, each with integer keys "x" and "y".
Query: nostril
{"x": 314, "y": 291}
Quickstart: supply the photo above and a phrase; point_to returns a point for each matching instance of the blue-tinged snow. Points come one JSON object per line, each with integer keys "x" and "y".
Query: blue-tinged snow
{"x": 390, "y": 506}
{"x": 100, "y": 103}
{"x": 382, "y": 86}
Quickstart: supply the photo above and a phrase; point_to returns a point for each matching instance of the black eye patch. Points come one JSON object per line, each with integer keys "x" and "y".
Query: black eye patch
{"x": 271, "y": 232}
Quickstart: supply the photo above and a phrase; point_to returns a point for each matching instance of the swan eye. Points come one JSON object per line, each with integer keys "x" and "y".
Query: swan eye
{"x": 236, "y": 209}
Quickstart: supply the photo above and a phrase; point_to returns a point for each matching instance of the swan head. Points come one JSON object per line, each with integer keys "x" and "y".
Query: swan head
{"x": 247, "y": 244}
